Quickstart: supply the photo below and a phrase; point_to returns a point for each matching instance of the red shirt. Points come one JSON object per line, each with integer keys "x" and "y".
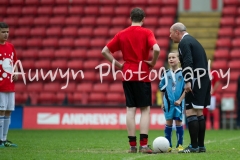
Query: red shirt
{"x": 135, "y": 42}
{"x": 7, "y": 59}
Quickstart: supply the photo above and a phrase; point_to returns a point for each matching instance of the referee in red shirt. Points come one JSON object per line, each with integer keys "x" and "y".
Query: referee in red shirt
{"x": 135, "y": 42}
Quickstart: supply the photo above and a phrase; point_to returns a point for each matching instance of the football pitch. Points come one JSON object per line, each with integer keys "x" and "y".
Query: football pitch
{"x": 110, "y": 145}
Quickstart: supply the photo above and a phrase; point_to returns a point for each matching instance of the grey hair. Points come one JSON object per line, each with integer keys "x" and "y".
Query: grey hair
{"x": 179, "y": 26}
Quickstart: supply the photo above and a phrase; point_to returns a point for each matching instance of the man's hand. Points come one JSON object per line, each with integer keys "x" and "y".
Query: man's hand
{"x": 188, "y": 87}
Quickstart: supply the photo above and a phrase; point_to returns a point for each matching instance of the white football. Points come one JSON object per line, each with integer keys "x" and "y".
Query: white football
{"x": 160, "y": 144}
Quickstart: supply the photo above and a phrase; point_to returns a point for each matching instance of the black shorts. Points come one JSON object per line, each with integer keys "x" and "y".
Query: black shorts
{"x": 200, "y": 97}
{"x": 137, "y": 94}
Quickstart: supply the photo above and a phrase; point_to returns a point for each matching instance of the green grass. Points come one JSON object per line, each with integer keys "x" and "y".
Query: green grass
{"x": 108, "y": 145}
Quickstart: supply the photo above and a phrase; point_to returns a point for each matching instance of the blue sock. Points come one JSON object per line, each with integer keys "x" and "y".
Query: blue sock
{"x": 179, "y": 132}
{"x": 168, "y": 134}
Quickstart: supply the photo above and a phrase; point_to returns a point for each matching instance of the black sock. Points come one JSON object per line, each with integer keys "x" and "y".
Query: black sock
{"x": 212, "y": 120}
{"x": 201, "y": 133}
{"x": 193, "y": 128}
{"x": 132, "y": 140}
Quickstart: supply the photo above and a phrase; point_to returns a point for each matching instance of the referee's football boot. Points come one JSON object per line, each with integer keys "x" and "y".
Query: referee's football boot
{"x": 189, "y": 149}
{"x": 8, "y": 143}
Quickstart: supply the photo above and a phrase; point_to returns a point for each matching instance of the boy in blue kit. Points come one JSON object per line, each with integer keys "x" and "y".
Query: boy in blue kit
{"x": 172, "y": 86}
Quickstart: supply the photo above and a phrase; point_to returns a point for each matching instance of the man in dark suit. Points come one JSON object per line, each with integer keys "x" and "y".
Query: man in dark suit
{"x": 197, "y": 84}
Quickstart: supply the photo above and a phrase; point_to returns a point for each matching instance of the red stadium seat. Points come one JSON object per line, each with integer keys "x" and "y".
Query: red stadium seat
{"x": 122, "y": 10}
{"x": 89, "y": 76}
{"x": 32, "y": 2}
{"x": 109, "y": 2}
{"x": 73, "y": 20}
{"x": 85, "y": 87}
{"x": 236, "y": 32}
{"x": 41, "y": 21}
{"x": 101, "y": 31}
{"x": 94, "y": 53}
{"x": 3, "y": 10}
{"x": 51, "y": 87}
{"x": 221, "y": 54}
{"x": 90, "y": 21}
{"x": 166, "y": 21}
{"x": 27, "y": 64}
{"x": 227, "y": 21}
{"x": 76, "y": 98}
{"x": 43, "y": 64}
{"x": 66, "y": 42}
{"x": 47, "y": 98}
{"x": 234, "y": 64}
{"x": 162, "y": 32}
{"x": 47, "y": 2}
{"x": 170, "y": 2}
{"x": 225, "y": 32}
{"x": 119, "y": 21}
{"x": 75, "y": 64}
{"x": 19, "y": 42}
{"x": 229, "y": 11}
{"x": 75, "y": 10}
{"x": 116, "y": 87}
{"x": 54, "y": 31}
{"x": 158, "y": 65}
{"x": 25, "y": 21}
{"x": 34, "y": 42}
{"x": 230, "y": 2}
{"x": 46, "y": 53}
{"x": 104, "y": 21}
{"x": 58, "y": 21}
{"x": 234, "y": 54}
{"x": 114, "y": 31}
{"x": 62, "y": 53}
{"x": 31, "y": 53}
{"x": 77, "y": 2}
{"x": 97, "y": 98}
{"x": 117, "y": 98}
{"x": 98, "y": 42}
{"x": 20, "y": 87}
{"x": 60, "y": 98}
{"x": 69, "y": 31}
{"x": 23, "y": 31}
{"x": 91, "y": 64}
{"x": 154, "y": 2}
{"x": 38, "y": 32}
{"x": 78, "y": 53}
{"x": 152, "y": 11}
{"x": 11, "y": 21}
{"x": 91, "y": 10}
{"x": 62, "y": 2}
{"x": 82, "y": 42}
{"x": 106, "y": 10}
{"x": 4, "y": 2}
{"x": 60, "y": 10}
{"x": 50, "y": 42}
{"x": 236, "y": 43}
{"x": 234, "y": 76}
{"x": 45, "y": 10}
{"x": 151, "y": 21}
{"x": 14, "y": 10}
{"x": 93, "y": 2}
{"x": 163, "y": 43}
{"x": 60, "y": 64}
{"x": 20, "y": 98}
{"x": 35, "y": 87}
{"x": 220, "y": 64}
{"x": 232, "y": 88}
{"x": 100, "y": 88}
{"x": 168, "y": 11}
{"x": 29, "y": 10}
{"x": 85, "y": 31}
{"x": 223, "y": 43}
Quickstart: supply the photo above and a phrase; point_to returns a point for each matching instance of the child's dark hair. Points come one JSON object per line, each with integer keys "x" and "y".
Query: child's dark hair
{"x": 3, "y": 25}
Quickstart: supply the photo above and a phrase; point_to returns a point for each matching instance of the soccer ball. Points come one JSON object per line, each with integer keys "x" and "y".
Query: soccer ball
{"x": 160, "y": 144}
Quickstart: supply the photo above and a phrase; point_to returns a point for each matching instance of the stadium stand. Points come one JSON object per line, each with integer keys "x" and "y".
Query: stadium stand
{"x": 51, "y": 34}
